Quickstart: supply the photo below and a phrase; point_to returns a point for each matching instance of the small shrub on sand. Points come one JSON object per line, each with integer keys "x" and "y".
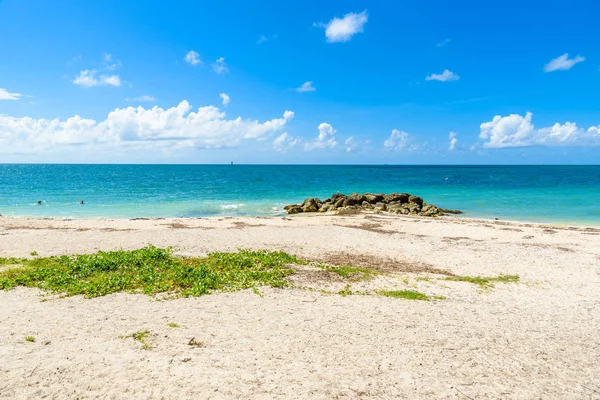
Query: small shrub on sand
{"x": 30, "y": 339}
{"x": 173, "y": 325}
{"x": 151, "y": 270}
{"x": 142, "y": 337}
{"x": 403, "y": 294}
{"x": 484, "y": 282}
{"x": 347, "y": 271}
{"x": 347, "y": 291}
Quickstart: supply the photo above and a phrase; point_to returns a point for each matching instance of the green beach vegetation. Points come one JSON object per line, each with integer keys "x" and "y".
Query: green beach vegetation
{"x": 348, "y": 271}
{"x": 404, "y": 294}
{"x": 142, "y": 337}
{"x": 11, "y": 261}
{"x": 485, "y": 282}
{"x": 150, "y": 270}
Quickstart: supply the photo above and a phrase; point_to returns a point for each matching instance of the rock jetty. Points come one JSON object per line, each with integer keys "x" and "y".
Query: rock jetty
{"x": 394, "y": 203}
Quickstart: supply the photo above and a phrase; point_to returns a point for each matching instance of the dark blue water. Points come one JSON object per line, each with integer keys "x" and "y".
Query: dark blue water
{"x": 568, "y": 194}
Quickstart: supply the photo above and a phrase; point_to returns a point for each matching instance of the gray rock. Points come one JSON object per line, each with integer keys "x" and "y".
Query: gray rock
{"x": 310, "y": 208}
{"x": 413, "y": 208}
{"x": 294, "y": 209}
{"x": 397, "y": 208}
{"x": 416, "y": 199}
{"x": 311, "y": 204}
{"x": 396, "y": 197}
{"x": 337, "y": 196}
{"x": 354, "y": 199}
{"x": 380, "y": 206}
{"x": 429, "y": 210}
{"x": 447, "y": 211}
{"x": 326, "y": 207}
{"x": 372, "y": 198}
{"x": 367, "y": 205}
{"x": 394, "y": 203}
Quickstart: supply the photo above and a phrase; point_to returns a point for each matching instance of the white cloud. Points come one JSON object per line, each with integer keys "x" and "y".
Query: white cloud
{"x": 264, "y": 38}
{"x": 453, "y": 140}
{"x": 563, "y": 63}
{"x": 517, "y": 131}
{"x": 6, "y": 95}
{"x": 220, "y": 66}
{"x": 109, "y": 64}
{"x": 225, "y": 98}
{"x": 112, "y": 80}
{"x": 443, "y": 43}
{"x": 192, "y": 58}
{"x": 285, "y": 142}
{"x": 325, "y": 139}
{"x": 445, "y": 76}
{"x": 88, "y": 78}
{"x": 306, "y": 87}
{"x": 137, "y": 127}
{"x": 342, "y": 29}
{"x": 397, "y": 140}
{"x": 142, "y": 98}
{"x": 350, "y": 144}
{"x": 511, "y": 131}
{"x": 561, "y": 133}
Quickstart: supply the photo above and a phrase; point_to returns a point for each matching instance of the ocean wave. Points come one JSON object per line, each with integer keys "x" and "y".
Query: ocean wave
{"x": 231, "y": 206}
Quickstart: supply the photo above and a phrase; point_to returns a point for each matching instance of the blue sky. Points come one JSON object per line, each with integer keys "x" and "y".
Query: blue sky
{"x": 309, "y": 82}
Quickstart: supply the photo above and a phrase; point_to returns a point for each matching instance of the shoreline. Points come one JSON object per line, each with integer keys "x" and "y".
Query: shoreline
{"x": 455, "y": 218}
{"x": 21, "y": 236}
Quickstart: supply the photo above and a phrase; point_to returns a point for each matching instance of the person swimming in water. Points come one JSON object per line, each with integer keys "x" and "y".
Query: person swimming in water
{"x": 82, "y": 202}
{"x": 39, "y": 202}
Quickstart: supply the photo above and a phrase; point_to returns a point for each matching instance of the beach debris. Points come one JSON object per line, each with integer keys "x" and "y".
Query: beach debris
{"x": 195, "y": 343}
{"x": 393, "y": 203}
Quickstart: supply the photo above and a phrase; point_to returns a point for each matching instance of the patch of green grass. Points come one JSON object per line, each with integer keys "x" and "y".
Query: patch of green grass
{"x": 484, "y": 282}
{"x": 142, "y": 337}
{"x": 151, "y": 270}
{"x": 347, "y": 271}
{"x": 346, "y": 291}
{"x": 11, "y": 261}
{"x": 34, "y": 253}
{"x": 30, "y": 339}
{"x": 173, "y": 325}
{"x": 404, "y": 294}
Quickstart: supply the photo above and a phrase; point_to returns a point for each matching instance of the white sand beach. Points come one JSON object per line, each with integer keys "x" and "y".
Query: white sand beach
{"x": 537, "y": 338}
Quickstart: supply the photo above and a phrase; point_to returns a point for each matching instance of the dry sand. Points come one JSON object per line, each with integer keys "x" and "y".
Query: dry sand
{"x": 535, "y": 339}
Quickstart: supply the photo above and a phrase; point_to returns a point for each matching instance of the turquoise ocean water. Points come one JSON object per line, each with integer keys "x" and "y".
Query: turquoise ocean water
{"x": 553, "y": 194}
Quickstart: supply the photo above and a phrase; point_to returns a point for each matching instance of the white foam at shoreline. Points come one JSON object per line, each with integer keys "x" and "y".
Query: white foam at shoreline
{"x": 231, "y": 206}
